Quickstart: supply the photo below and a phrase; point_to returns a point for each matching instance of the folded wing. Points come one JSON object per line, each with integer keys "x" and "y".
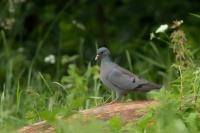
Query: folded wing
{"x": 126, "y": 81}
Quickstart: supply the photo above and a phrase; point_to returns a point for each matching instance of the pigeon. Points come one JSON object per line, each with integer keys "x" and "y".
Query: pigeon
{"x": 118, "y": 79}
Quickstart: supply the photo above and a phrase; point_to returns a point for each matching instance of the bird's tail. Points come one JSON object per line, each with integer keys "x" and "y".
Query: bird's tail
{"x": 148, "y": 87}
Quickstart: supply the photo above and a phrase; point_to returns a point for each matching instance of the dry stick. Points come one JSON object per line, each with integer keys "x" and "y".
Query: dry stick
{"x": 129, "y": 111}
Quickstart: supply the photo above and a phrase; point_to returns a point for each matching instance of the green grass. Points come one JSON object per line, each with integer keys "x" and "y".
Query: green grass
{"x": 29, "y": 93}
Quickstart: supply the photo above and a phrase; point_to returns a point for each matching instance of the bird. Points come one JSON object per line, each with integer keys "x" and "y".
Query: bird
{"x": 118, "y": 79}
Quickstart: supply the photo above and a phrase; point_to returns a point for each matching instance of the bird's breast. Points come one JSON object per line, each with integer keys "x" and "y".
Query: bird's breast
{"x": 104, "y": 73}
{"x": 105, "y": 70}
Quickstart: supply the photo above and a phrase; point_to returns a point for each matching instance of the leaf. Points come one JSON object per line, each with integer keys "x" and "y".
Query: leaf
{"x": 195, "y": 15}
{"x": 115, "y": 123}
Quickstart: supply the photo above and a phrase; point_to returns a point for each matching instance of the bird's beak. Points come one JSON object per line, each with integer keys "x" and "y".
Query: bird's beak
{"x": 97, "y": 57}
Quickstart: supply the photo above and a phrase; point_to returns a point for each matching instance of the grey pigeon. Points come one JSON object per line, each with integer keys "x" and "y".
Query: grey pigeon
{"x": 119, "y": 79}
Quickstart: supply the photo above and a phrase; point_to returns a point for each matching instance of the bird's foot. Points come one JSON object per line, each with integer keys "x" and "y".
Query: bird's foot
{"x": 112, "y": 102}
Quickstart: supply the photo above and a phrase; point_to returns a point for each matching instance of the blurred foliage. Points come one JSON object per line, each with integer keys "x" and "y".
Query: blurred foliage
{"x": 47, "y": 70}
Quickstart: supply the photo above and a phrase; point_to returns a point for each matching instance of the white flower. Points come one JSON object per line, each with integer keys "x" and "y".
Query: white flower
{"x": 152, "y": 36}
{"x": 176, "y": 24}
{"x": 8, "y": 23}
{"x": 162, "y": 28}
{"x": 50, "y": 59}
{"x": 179, "y": 22}
{"x": 197, "y": 72}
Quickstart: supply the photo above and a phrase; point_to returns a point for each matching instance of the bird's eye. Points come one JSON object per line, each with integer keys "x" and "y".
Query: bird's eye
{"x": 101, "y": 52}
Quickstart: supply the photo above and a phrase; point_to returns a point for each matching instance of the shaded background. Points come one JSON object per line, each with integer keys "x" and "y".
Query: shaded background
{"x": 35, "y": 29}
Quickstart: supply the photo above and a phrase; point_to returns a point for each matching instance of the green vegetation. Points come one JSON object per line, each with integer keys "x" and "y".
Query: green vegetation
{"x": 47, "y": 68}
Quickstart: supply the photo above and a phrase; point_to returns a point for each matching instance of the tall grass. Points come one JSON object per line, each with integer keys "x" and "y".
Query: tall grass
{"x": 28, "y": 95}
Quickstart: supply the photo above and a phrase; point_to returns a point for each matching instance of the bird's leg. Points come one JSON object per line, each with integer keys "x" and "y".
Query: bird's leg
{"x": 118, "y": 96}
{"x": 113, "y": 95}
{"x": 115, "y": 98}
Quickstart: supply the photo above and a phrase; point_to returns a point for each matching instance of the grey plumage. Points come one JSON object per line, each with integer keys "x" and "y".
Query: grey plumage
{"x": 119, "y": 79}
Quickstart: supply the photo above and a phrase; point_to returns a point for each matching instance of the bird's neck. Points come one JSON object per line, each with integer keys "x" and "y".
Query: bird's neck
{"x": 106, "y": 60}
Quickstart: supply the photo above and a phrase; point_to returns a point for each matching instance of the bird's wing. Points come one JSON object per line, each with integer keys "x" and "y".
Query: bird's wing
{"x": 125, "y": 71}
{"x": 124, "y": 79}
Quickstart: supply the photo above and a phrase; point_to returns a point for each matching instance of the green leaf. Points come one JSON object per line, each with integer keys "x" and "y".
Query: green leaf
{"x": 195, "y": 15}
{"x": 115, "y": 122}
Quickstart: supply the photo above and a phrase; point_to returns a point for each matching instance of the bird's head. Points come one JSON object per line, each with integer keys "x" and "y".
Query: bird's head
{"x": 102, "y": 53}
